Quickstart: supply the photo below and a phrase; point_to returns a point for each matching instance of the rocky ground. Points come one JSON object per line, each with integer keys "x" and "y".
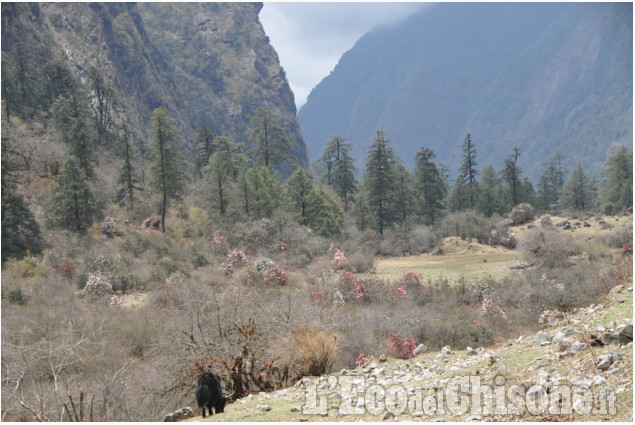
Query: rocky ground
{"x": 579, "y": 367}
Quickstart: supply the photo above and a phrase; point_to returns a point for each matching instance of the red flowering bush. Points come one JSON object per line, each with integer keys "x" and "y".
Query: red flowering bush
{"x": 66, "y": 269}
{"x": 276, "y": 275}
{"x": 401, "y": 348}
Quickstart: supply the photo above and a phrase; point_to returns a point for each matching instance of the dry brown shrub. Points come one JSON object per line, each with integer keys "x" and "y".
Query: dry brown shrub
{"x": 549, "y": 246}
{"x": 310, "y": 352}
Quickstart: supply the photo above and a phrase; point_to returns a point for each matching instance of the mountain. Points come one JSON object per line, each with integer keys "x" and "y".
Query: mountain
{"x": 207, "y": 63}
{"x": 543, "y": 77}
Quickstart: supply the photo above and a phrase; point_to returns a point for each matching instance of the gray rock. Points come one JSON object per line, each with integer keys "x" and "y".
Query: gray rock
{"x": 536, "y": 391}
{"x": 383, "y": 358}
{"x": 387, "y": 416}
{"x": 446, "y": 350}
{"x": 419, "y": 350}
{"x": 605, "y": 361}
{"x": 182, "y": 413}
{"x": 263, "y": 407}
{"x": 471, "y": 351}
{"x": 295, "y": 409}
{"x": 578, "y": 346}
{"x": 542, "y": 337}
{"x": 564, "y": 345}
{"x": 626, "y": 335}
{"x": 581, "y": 381}
{"x": 303, "y": 419}
{"x": 557, "y": 338}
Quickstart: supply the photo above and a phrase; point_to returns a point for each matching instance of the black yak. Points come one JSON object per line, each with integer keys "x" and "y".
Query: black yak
{"x": 209, "y": 393}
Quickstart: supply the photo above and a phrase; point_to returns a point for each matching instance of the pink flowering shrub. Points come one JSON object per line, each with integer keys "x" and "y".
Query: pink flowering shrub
{"x": 167, "y": 298}
{"x": 401, "y": 348}
{"x": 220, "y": 239}
{"x": 504, "y": 238}
{"x": 318, "y": 297}
{"x": 354, "y": 287}
{"x": 493, "y": 316}
{"x": 397, "y": 293}
{"x": 521, "y": 214}
{"x": 411, "y": 279}
{"x": 236, "y": 257}
{"x": 339, "y": 260}
{"x": 115, "y": 301}
{"x": 362, "y": 360}
{"x": 276, "y": 275}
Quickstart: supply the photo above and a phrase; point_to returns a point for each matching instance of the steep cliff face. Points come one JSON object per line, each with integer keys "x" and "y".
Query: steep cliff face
{"x": 207, "y": 63}
{"x": 543, "y": 77}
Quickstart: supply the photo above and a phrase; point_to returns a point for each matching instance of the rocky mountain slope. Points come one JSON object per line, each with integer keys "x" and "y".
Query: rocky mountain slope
{"x": 207, "y": 63}
{"x": 588, "y": 352}
{"x": 543, "y": 77}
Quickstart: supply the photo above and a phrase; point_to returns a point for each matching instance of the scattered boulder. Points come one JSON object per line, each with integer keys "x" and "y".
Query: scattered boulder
{"x": 558, "y": 338}
{"x": 182, "y": 413}
{"x": 564, "y": 345}
{"x": 610, "y": 338}
{"x": 542, "y": 338}
{"x": 578, "y": 346}
{"x": 626, "y": 335}
{"x": 471, "y": 351}
{"x": 152, "y": 223}
{"x": 419, "y": 350}
{"x": 446, "y": 350}
{"x": 263, "y": 407}
{"x": 564, "y": 224}
{"x": 605, "y": 361}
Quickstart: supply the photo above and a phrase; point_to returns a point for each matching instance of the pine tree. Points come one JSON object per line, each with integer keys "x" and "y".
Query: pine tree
{"x": 511, "y": 175}
{"x": 236, "y": 160}
{"x": 430, "y": 187}
{"x": 20, "y": 231}
{"x": 404, "y": 205}
{"x": 340, "y": 169}
{"x": 82, "y": 138}
{"x": 204, "y": 146}
{"x": 271, "y": 144}
{"x": 578, "y": 192}
{"x": 127, "y": 180}
{"x": 257, "y": 191}
{"x": 166, "y": 165}
{"x": 324, "y": 215}
{"x": 218, "y": 178}
{"x": 381, "y": 182}
{"x": 618, "y": 184}
{"x": 551, "y": 182}
{"x": 468, "y": 172}
{"x": 104, "y": 102}
{"x": 298, "y": 189}
{"x": 73, "y": 204}
{"x": 489, "y": 201}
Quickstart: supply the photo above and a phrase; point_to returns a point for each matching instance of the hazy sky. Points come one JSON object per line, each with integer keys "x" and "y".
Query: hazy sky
{"x": 311, "y": 37}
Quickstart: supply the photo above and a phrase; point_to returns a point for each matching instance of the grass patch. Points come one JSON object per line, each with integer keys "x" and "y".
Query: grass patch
{"x": 451, "y": 267}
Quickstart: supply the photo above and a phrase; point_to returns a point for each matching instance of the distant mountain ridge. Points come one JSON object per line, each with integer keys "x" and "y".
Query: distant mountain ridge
{"x": 546, "y": 77}
{"x": 207, "y": 63}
